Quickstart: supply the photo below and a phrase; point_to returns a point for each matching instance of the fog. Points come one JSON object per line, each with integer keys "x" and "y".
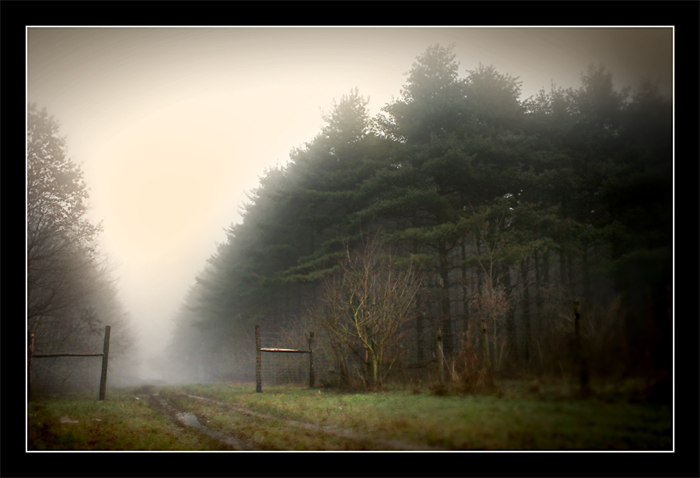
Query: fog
{"x": 172, "y": 126}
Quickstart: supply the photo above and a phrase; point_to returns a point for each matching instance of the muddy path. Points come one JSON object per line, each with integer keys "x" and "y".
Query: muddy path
{"x": 174, "y": 406}
{"x": 192, "y": 422}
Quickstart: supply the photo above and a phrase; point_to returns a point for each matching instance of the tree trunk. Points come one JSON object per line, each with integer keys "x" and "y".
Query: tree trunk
{"x": 538, "y": 289}
{"x": 419, "y": 313}
{"x": 419, "y": 330}
{"x": 562, "y": 267}
{"x": 445, "y": 299}
{"x": 570, "y": 270}
{"x": 538, "y": 301}
{"x": 512, "y": 346}
{"x": 587, "y": 295}
{"x": 479, "y": 270}
{"x": 368, "y": 367}
{"x": 526, "y": 308}
{"x": 584, "y": 387}
{"x": 465, "y": 295}
{"x": 545, "y": 282}
{"x": 485, "y": 347}
{"x": 618, "y": 275}
{"x": 375, "y": 370}
{"x": 545, "y": 266}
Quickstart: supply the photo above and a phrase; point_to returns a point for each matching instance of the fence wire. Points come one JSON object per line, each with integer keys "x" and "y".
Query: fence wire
{"x": 283, "y": 368}
{"x": 292, "y": 368}
{"x": 61, "y": 375}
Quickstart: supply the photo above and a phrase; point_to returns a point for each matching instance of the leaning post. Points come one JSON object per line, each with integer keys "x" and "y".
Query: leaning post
{"x": 105, "y": 359}
{"x": 311, "y": 360}
{"x": 258, "y": 361}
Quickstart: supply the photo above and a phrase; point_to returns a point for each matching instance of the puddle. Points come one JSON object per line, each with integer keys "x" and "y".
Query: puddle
{"x": 189, "y": 420}
{"x": 192, "y": 421}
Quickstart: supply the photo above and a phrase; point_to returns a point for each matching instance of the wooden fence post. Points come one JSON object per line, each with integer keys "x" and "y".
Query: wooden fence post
{"x": 258, "y": 361}
{"x": 311, "y": 360}
{"x": 441, "y": 357}
{"x": 30, "y": 352}
{"x": 105, "y": 359}
{"x": 258, "y": 358}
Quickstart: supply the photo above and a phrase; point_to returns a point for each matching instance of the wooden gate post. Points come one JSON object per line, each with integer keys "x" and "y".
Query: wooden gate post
{"x": 30, "y": 352}
{"x": 105, "y": 358}
{"x": 258, "y": 361}
{"x": 311, "y": 360}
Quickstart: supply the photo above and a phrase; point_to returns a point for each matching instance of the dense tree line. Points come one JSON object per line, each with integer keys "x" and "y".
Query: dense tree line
{"x": 70, "y": 294}
{"x": 509, "y": 209}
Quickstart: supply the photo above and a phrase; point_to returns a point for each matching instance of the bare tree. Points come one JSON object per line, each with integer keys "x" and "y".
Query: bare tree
{"x": 491, "y": 303}
{"x": 60, "y": 238}
{"x": 70, "y": 294}
{"x": 491, "y": 307}
{"x": 367, "y": 306}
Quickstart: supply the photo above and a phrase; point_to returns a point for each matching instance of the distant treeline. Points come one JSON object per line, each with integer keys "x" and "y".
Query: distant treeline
{"x": 537, "y": 202}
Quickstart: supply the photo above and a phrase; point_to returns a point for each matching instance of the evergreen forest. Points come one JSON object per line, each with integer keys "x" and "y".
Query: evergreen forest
{"x": 460, "y": 210}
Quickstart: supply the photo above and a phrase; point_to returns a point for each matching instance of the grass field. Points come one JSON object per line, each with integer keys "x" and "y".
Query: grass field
{"x": 228, "y": 416}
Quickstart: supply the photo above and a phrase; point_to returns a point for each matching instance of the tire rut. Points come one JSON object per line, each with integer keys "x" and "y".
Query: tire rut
{"x": 189, "y": 420}
{"x": 329, "y": 430}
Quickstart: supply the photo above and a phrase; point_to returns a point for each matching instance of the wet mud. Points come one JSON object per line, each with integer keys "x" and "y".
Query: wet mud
{"x": 190, "y": 420}
{"x": 330, "y": 430}
{"x": 241, "y": 443}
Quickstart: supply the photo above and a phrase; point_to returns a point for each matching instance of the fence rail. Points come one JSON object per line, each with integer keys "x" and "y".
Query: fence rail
{"x": 294, "y": 351}
{"x": 66, "y": 355}
{"x": 258, "y": 358}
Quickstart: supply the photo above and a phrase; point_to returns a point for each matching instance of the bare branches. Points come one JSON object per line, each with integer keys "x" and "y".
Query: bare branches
{"x": 366, "y": 306}
{"x": 70, "y": 294}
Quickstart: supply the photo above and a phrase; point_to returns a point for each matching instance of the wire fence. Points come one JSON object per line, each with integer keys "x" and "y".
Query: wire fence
{"x": 62, "y": 375}
{"x": 284, "y": 368}
{"x": 59, "y": 376}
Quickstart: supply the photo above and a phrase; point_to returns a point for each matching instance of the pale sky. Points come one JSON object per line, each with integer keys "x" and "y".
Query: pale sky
{"x": 172, "y": 125}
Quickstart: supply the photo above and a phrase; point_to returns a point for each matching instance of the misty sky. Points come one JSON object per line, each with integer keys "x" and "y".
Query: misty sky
{"x": 173, "y": 125}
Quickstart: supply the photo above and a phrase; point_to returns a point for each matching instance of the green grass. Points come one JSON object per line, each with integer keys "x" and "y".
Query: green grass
{"x": 363, "y": 421}
{"x": 119, "y": 423}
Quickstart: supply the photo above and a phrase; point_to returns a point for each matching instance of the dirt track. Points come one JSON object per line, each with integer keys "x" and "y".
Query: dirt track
{"x": 240, "y": 442}
{"x": 191, "y": 421}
